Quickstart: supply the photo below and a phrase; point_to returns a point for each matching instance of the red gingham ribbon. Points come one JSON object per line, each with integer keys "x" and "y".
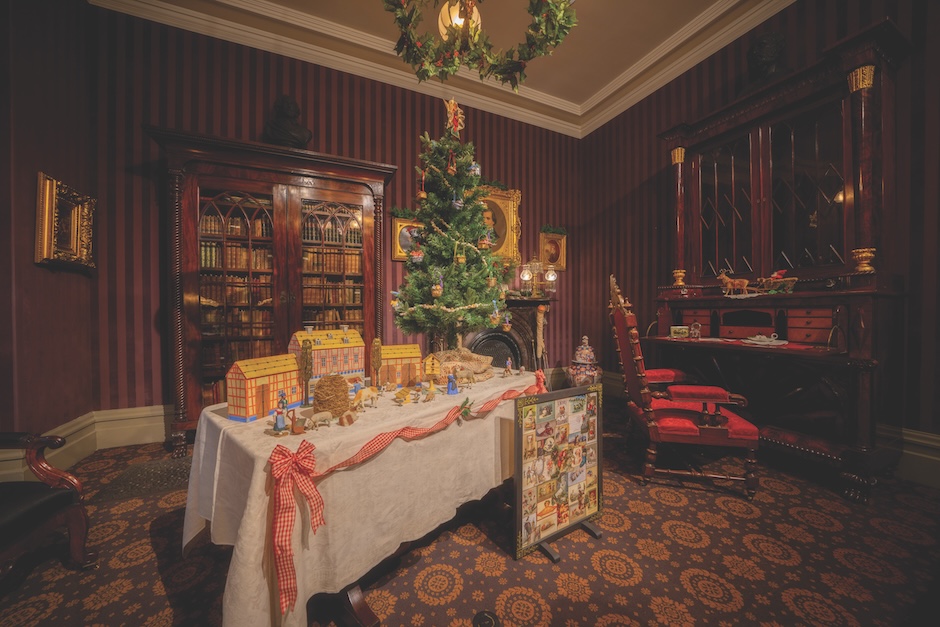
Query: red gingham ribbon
{"x": 289, "y": 469}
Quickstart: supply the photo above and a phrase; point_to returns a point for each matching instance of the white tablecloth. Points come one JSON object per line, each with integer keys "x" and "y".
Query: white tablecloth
{"x": 370, "y": 509}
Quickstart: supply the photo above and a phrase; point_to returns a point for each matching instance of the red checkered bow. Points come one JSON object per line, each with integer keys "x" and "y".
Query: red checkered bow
{"x": 290, "y": 470}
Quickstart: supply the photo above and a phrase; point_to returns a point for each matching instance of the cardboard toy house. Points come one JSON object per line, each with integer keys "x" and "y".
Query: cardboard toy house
{"x": 334, "y": 351}
{"x": 401, "y": 364}
{"x": 253, "y": 386}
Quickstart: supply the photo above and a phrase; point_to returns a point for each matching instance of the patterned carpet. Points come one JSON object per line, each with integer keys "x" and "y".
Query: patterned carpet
{"x": 798, "y": 554}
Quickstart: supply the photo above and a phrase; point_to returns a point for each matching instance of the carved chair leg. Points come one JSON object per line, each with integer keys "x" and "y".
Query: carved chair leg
{"x": 77, "y": 520}
{"x": 649, "y": 466}
{"x": 750, "y": 473}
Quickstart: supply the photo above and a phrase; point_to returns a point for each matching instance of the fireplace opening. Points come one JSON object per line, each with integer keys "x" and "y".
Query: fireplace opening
{"x": 498, "y": 345}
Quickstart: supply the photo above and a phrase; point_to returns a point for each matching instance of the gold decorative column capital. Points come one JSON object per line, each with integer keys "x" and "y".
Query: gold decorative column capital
{"x": 863, "y": 258}
{"x": 678, "y": 155}
{"x": 679, "y": 276}
{"x": 861, "y": 78}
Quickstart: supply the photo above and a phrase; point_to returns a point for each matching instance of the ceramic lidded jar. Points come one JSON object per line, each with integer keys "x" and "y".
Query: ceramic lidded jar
{"x": 584, "y": 369}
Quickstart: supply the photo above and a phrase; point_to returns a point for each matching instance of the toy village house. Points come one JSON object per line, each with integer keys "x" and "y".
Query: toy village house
{"x": 401, "y": 364}
{"x": 253, "y": 386}
{"x": 336, "y": 351}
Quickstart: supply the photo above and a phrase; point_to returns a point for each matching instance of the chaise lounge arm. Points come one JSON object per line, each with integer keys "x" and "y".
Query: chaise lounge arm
{"x": 35, "y": 446}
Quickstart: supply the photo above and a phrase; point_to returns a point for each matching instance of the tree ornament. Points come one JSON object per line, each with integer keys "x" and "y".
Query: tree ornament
{"x": 451, "y": 164}
{"x": 507, "y": 325}
{"x": 491, "y": 281}
{"x": 475, "y": 169}
{"x": 415, "y": 253}
{"x": 423, "y": 195}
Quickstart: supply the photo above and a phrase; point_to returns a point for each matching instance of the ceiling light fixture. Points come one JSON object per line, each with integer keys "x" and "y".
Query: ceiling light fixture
{"x": 453, "y": 15}
{"x": 463, "y": 42}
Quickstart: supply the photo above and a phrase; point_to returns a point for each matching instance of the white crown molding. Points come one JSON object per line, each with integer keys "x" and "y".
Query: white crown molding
{"x": 596, "y": 116}
{"x": 590, "y": 116}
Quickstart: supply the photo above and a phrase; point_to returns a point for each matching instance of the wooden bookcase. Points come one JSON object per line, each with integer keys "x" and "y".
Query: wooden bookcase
{"x": 798, "y": 175}
{"x": 263, "y": 241}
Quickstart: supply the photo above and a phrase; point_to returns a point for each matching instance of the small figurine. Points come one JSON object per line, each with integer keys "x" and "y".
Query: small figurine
{"x": 508, "y": 370}
{"x": 279, "y": 418}
{"x": 321, "y": 419}
{"x": 452, "y": 384}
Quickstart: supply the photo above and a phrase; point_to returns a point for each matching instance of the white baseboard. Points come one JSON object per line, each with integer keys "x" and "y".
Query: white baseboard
{"x": 92, "y": 432}
{"x": 920, "y": 459}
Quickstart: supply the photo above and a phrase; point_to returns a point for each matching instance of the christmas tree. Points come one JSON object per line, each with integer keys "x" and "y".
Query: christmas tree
{"x": 452, "y": 285}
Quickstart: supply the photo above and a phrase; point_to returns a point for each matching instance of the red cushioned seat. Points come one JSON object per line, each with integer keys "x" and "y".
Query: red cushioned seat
{"x": 682, "y": 414}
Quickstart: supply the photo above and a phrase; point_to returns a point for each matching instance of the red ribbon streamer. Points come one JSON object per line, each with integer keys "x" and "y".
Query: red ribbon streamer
{"x": 299, "y": 469}
{"x": 292, "y": 470}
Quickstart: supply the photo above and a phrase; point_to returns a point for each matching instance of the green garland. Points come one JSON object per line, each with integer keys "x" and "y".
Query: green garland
{"x": 432, "y": 57}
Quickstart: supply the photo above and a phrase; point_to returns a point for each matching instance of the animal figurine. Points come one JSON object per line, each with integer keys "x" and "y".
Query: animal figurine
{"x": 429, "y": 395}
{"x": 321, "y": 419}
{"x": 465, "y": 377}
{"x": 365, "y": 394}
{"x": 733, "y": 286}
{"x": 348, "y": 417}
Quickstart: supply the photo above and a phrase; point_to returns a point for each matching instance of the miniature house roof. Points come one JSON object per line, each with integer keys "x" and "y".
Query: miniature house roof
{"x": 330, "y": 338}
{"x": 261, "y": 366}
{"x": 401, "y": 351}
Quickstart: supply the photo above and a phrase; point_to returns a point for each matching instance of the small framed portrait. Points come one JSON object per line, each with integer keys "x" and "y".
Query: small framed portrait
{"x": 64, "y": 219}
{"x": 553, "y": 248}
{"x": 403, "y": 237}
{"x": 501, "y": 214}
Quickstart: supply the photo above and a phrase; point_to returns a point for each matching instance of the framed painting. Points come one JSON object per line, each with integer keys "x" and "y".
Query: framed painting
{"x": 559, "y": 485}
{"x": 403, "y": 235}
{"x": 554, "y": 249}
{"x": 64, "y": 219}
{"x": 501, "y": 213}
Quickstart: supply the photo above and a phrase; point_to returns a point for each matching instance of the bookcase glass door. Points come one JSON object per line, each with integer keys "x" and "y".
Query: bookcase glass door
{"x": 236, "y": 266}
{"x": 333, "y": 280}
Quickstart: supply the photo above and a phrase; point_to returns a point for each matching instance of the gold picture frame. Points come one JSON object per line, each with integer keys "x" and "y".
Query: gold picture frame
{"x": 503, "y": 208}
{"x": 402, "y": 235}
{"x": 553, "y": 250}
{"x": 64, "y": 221}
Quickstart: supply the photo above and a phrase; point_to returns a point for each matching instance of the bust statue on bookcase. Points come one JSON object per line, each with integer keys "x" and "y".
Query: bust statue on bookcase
{"x": 284, "y": 127}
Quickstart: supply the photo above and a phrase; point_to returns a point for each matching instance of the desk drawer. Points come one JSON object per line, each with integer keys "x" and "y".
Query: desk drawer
{"x": 810, "y": 313}
{"x": 735, "y": 332}
{"x": 808, "y": 336}
{"x": 810, "y": 323}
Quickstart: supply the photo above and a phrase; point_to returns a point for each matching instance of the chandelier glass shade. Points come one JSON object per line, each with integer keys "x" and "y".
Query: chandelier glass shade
{"x": 463, "y": 43}
{"x": 452, "y": 16}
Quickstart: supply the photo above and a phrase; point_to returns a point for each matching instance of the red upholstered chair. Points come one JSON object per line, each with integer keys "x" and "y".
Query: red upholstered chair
{"x": 682, "y": 414}
{"x": 31, "y": 509}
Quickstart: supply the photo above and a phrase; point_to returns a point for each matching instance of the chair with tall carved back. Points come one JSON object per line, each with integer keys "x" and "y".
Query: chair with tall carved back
{"x": 32, "y": 509}
{"x": 681, "y": 414}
